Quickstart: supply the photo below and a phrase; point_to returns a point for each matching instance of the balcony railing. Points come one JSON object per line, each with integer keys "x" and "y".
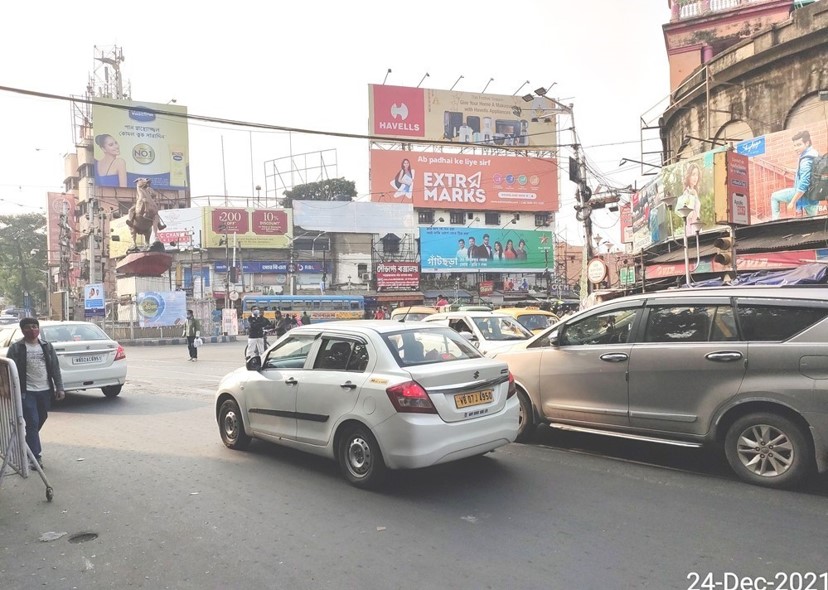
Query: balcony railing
{"x": 686, "y": 9}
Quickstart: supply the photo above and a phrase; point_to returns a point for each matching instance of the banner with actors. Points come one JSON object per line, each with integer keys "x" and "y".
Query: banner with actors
{"x": 462, "y": 249}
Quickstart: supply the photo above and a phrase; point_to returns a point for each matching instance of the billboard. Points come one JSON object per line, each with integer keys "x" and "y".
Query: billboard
{"x": 247, "y": 227}
{"x": 464, "y": 181}
{"x": 162, "y": 308}
{"x": 462, "y": 249}
{"x": 397, "y": 275}
{"x": 779, "y": 166}
{"x": 358, "y": 217}
{"x": 135, "y": 140}
{"x": 401, "y": 112}
{"x": 184, "y": 229}
{"x": 93, "y": 300}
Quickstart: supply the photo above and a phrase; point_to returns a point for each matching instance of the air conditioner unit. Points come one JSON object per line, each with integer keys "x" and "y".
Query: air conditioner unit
{"x": 366, "y": 276}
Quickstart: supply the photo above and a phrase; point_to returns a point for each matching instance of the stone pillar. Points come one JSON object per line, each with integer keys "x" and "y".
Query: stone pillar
{"x": 675, "y": 10}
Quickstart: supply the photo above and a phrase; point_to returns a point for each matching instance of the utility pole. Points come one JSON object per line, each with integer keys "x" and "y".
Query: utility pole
{"x": 92, "y": 242}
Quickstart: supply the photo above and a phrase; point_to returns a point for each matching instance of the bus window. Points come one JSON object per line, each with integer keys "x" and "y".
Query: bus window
{"x": 287, "y": 305}
{"x": 326, "y": 305}
{"x": 339, "y": 305}
{"x": 316, "y": 304}
{"x": 355, "y": 306}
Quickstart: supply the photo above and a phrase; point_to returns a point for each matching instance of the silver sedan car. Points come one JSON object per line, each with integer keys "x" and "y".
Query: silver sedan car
{"x": 373, "y": 395}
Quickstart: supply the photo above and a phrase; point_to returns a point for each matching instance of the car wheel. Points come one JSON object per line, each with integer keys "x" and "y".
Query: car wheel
{"x": 526, "y": 418}
{"x": 231, "y": 426}
{"x": 768, "y": 450}
{"x": 360, "y": 458}
{"x": 111, "y": 390}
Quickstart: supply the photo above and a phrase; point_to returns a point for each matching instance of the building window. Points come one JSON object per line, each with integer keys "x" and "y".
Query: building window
{"x": 457, "y": 218}
{"x": 492, "y": 218}
{"x": 425, "y": 216}
{"x": 362, "y": 269}
{"x": 541, "y": 219}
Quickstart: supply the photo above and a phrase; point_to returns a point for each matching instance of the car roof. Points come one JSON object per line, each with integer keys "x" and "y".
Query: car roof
{"x": 775, "y": 291}
{"x": 378, "y": 326}
{"x": 466, "y": 314}
{"x": 524, "y": 311}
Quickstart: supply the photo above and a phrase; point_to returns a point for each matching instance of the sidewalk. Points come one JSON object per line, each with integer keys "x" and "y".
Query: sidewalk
{"x": 175, "y": 341}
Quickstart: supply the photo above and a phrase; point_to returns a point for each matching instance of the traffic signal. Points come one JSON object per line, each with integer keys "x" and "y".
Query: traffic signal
{"x": 726, "y": 250}
{"x": 234, "y": 274}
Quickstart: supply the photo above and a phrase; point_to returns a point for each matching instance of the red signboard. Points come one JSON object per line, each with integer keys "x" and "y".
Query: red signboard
{"x": 486, "y": 287}
{"x": 399, "y": 111}
{"x": 396, "y": 275}
{"x": 268, "y": 222}
{"x": 230, "y": 221}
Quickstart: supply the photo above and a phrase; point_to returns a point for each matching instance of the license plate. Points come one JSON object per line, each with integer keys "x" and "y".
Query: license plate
{"x": 86, "y": 360}
{"x": 464, "y": 400}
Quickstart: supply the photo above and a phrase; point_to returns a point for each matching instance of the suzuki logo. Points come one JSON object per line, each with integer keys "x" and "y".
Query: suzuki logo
{"x": 476, "y": 374}
{"x": 399, "y": 111}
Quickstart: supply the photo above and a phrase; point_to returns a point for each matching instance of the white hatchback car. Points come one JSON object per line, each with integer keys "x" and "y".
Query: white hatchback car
{"x": 372, "y": 395}
{"x": 489, "y": 332}
{"x": 88, "y": 358}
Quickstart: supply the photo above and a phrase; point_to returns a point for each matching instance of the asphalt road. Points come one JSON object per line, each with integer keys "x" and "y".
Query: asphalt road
{"x": 170, "y": 507}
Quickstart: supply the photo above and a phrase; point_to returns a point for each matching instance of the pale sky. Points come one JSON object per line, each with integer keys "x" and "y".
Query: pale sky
{"x": 308, "y": 65}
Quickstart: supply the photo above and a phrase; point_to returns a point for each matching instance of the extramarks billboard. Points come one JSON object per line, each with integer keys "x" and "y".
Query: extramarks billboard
{"x": 464, "y": 181}
{"x": 461, "y": 117}
{"x": 134, "y": 140}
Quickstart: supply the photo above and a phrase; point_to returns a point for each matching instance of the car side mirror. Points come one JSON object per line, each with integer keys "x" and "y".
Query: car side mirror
{"x": 254, "y": 363}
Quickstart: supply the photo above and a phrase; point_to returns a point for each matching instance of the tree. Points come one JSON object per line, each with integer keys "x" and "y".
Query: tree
{"x": 23, "y": 257}
{"x": 333, "y": 189}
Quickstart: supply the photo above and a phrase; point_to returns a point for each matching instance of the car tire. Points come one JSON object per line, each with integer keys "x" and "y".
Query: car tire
{"x": 360, "y": 458}
{"x": 231, "y": 426}
{"x": 111, "y": 390}
{"x": 768, "y": 450}
{"x": 526, "y": 418}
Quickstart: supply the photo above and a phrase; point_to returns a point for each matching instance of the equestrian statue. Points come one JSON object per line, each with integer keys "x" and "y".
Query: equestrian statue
{"x": 143, "y": 216}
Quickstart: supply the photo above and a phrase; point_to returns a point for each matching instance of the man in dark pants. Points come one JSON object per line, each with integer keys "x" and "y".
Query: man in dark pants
{"x": 39, "y": 372}
{"x": 192, "y": 330}
{"x": 257, "y": 324}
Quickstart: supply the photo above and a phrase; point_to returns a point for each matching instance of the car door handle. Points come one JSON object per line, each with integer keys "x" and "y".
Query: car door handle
{"x": 723, "y": 357}
{"x": 291, "y": 381}
{"x": 614, "y": 357}
{"x": 348, "y": 385}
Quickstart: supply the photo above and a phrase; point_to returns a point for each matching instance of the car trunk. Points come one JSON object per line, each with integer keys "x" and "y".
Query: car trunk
{"x": 85, "y": 353}
{"x": 464, "y": 390}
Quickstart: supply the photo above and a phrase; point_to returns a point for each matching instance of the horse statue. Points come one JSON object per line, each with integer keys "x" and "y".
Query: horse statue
{"x": 143, "y": 216}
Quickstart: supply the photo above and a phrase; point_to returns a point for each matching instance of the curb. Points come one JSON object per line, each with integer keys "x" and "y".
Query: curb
{"x": 174, "y": 341}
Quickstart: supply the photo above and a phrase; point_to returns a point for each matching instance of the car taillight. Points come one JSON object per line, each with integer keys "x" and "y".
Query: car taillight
{"x": 410, "y": 397}
{"x": 512, "y": 386}
{"x": 120, "y": 354}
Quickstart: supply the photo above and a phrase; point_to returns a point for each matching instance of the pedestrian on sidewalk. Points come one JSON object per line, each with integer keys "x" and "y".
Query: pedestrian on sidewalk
{"x": 192, "y": 330}
{"x": 39, "y": 372}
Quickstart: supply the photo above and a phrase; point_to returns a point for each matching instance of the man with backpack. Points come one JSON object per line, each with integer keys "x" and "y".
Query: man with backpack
{"x": 802, "y": 196}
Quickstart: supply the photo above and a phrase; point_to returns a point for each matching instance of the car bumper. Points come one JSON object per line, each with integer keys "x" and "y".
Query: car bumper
{"x": 410, "y": 441}
{"x": 93, "y": 379}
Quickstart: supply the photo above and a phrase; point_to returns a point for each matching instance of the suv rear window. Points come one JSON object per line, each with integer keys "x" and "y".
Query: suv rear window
{"x": 775, "y": 323}
{"x": 422, "y": 347}
{"x": 72, "y": 333}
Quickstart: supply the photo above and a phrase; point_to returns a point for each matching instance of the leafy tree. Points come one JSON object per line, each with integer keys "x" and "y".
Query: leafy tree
{"x": 333, "y": 189}
{"x": 23, "y": 257}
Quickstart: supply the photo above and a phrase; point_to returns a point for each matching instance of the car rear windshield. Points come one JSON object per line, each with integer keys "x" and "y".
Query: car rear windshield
{"x": 73, "y": 333}
{"x": 427, "y": 346}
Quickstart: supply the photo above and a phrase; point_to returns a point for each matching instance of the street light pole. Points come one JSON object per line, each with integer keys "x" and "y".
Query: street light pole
{"x": 683, "y": 212}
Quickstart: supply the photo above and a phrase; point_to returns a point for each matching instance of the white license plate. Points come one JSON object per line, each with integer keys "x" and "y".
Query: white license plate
{"x": 87, "y": 360}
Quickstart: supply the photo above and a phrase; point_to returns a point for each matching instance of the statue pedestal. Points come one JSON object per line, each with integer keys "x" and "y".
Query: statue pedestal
{"x": 145, "y": 264}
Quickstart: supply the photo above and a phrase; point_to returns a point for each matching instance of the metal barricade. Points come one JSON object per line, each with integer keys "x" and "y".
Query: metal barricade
{"x": 17, "y": 458}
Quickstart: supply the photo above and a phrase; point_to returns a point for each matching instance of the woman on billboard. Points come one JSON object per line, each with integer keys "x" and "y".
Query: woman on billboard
{"x": 690, "y": 197}
{"x": 110, "y": 170}
{"x": 404, "y": 180}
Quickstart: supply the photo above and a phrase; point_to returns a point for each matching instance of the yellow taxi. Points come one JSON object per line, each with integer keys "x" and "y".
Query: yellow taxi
{"x": 412, "y": 314}
{"x": 532, "y": 318}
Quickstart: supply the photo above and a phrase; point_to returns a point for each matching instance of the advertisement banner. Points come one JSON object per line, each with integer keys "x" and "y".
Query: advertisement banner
{"x": 260, "y": 267}
{"x": 461, "y": 249}
{"x": 247, "y": 227}
{"x": 464, "y": 181}
{"x": 162, "y": 308}
{"x": 137, "y": 140}
{"x": 462, "y": 117}
{"x": 732, "y": 190}
{"x": 93, "y": 300}
{"x": 397, "y": 275}
{"x": 184, "y": 226}
{"x": 687, "y": 184}
{"x": 780, "y": 167}
{"x": 744, "y": 263}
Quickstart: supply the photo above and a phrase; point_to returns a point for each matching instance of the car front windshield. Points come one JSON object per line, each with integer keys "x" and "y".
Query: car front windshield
{"x": 424, "y": 346}
{"x": 501, "y": 328}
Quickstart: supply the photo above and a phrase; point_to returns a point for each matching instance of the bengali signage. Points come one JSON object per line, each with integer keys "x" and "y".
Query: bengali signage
{"x": 462, "y": 117}
{"x": 396, "y": 275}
{"x": 140, "y": 140}
{"x": 461, "y": 249}
{"x": 470, "y": 182}
{"x": 260, "y": 267}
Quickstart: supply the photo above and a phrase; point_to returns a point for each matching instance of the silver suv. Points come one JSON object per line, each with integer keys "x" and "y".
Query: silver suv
{"x": 745, "y": 368}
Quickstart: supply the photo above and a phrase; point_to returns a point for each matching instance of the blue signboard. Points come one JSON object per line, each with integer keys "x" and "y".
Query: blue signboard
{"x": 93, "y": 300}
{"x": 261, "y": 267}
{"x": 751, "y": 147}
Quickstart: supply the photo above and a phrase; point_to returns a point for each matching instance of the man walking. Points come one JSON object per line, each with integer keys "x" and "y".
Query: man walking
{"x": 192, "y": 330}
{"x": 305, "y": 319}
{"x": 39, "y": 372}
{"x": 255, "y": 332}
